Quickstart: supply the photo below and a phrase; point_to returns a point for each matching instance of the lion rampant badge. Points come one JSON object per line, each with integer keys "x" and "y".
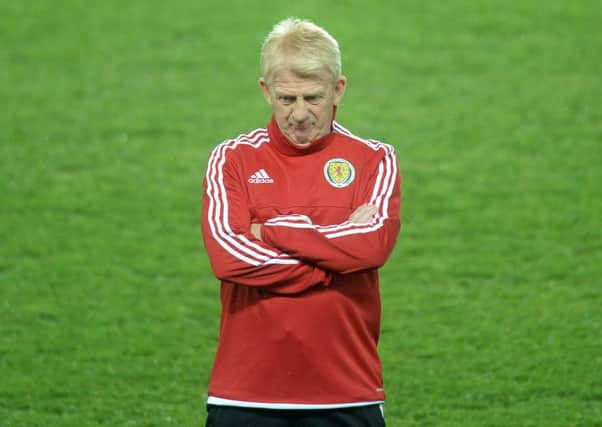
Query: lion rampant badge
{"x": 339, "y": 172}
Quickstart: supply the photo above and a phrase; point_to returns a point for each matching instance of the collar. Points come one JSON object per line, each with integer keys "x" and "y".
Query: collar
{"x": 285, "y": 146}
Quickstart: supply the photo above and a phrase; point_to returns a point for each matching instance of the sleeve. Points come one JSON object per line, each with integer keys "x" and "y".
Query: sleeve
{"x": 346, "y": 247}
{"x": 236, "y": 256}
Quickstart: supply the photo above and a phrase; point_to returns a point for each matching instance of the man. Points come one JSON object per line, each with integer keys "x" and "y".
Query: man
{"x": 297, "y": 218}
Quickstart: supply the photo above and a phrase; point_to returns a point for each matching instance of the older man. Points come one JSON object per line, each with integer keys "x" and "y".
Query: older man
{"x": 297, "y": 219}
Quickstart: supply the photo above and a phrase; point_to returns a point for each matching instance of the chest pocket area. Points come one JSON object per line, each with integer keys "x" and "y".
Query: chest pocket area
{"x": 324, "y": 207}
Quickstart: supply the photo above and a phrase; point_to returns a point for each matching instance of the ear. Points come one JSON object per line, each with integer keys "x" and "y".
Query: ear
{"x": 266, "y": 90}
{"x": 339, "y": 89}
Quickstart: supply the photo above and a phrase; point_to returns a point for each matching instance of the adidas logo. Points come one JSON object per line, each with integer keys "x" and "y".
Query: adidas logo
{"x": 260, "y": 177}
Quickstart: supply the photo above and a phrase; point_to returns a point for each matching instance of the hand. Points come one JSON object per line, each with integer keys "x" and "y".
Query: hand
{"x": 256, "y": 230}
{"x": 363, "y": 214}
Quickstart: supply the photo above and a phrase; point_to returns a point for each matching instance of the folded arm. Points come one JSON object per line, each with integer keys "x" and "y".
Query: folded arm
{"x": 236, "y": 255}
{"x": 364, "y": 241}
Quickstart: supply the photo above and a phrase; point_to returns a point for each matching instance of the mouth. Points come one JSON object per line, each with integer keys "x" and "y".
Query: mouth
{"x": 301, "y": 134}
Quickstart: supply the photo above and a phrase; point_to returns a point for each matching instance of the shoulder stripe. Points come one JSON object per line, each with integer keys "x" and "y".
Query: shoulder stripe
{"x": 372, "y": 143}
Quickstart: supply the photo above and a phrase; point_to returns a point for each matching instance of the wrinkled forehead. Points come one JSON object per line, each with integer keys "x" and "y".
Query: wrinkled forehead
{"x": 287, "y": 80}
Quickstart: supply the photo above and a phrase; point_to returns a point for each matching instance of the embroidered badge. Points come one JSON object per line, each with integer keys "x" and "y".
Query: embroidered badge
{"x": 339, "y": 172}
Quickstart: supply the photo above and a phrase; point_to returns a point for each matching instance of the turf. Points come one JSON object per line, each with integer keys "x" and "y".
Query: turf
{"x": 492, "y": 299}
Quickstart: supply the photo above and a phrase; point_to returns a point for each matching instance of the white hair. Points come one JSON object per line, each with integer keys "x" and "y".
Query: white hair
{"x": 302, "y": 47}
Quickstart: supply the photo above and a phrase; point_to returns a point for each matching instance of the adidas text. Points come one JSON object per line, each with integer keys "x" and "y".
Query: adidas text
{"x": 253, "y": 180}
{"x": 260, "y": 177}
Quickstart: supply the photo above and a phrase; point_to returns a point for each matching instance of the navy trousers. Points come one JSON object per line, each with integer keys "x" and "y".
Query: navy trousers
{"x": 358, "y": 416}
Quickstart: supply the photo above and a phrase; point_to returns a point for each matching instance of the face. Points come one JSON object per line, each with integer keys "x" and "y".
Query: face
{"x": 303, "y": 107}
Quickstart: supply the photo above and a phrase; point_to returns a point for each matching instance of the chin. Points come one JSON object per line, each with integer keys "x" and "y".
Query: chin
{"x": 302, "y": 144}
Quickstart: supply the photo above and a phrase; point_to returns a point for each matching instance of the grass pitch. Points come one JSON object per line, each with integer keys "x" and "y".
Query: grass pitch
{"x": 492, "y": 299}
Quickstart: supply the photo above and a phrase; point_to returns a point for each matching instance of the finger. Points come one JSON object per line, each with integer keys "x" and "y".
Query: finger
{"x": 256, "y": 231}
{"x": 362, "y": 214}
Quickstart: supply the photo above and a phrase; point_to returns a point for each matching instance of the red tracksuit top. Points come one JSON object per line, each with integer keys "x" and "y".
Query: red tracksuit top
{"x": 301, "y": 308}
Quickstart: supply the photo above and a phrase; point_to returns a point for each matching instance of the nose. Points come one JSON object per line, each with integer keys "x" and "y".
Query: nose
{"x": 299, "y": 113}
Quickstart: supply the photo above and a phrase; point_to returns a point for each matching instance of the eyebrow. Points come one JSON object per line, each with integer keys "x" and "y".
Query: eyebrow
{"x": 284, "y": 94}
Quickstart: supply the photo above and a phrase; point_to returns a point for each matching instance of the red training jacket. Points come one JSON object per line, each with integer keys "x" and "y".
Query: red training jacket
{"x": 300, "y": 308}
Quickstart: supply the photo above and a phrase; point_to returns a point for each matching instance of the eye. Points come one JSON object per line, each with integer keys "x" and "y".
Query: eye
{"x": 313, "y": 99}
{"x": 286, "y": 100}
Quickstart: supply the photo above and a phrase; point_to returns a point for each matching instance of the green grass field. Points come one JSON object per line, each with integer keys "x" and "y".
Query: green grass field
{"x": 492, "y": 299}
